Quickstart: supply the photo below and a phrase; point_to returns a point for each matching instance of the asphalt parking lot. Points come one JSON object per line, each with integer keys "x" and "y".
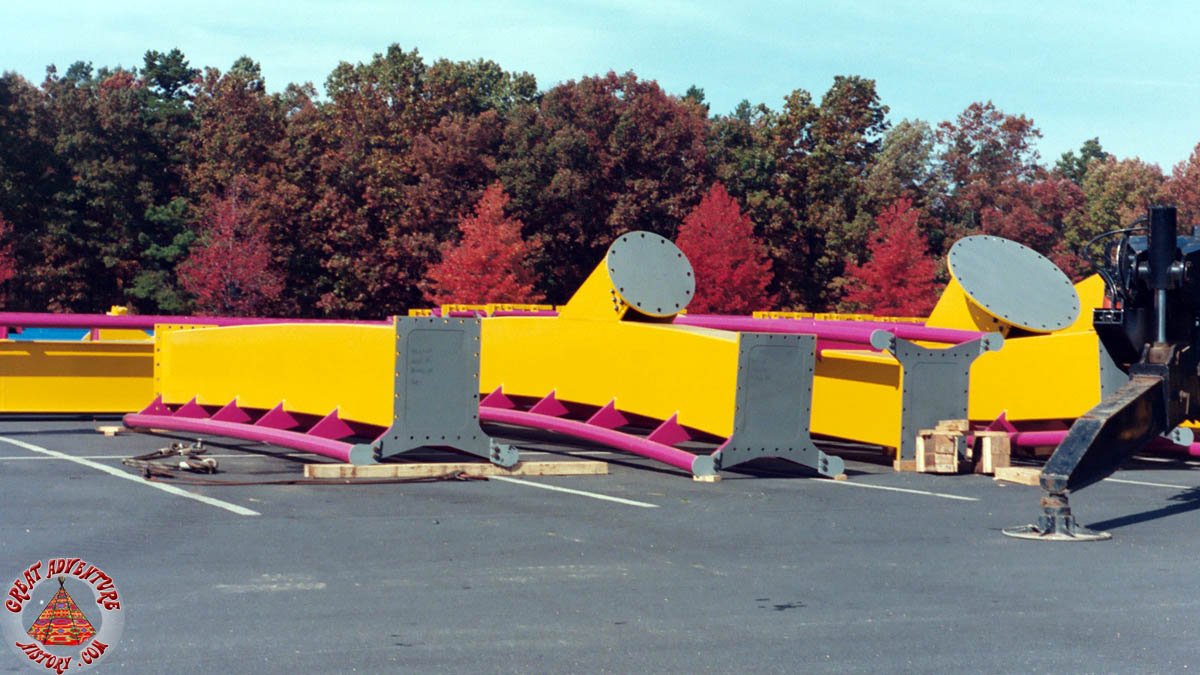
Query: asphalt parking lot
{"x": 884, "y": 572}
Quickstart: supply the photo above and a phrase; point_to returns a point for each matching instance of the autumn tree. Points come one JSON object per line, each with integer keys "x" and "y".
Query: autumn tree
{"x": 988, "y": 160}
{"x": 450, "y": 167}
{"x": 1183, "y": 188}
{"x": 731, "y": 267}
{"x": 1074, "y": 167}
{"x": 229, "y": 268}
{"x": 903, "y": 167}
{"x": 391, "y": 179}
{"x": 491, "y": 262}
{"x": 29, "y": 179}
{"x": 825, "y": 153}
{"x": 240, "y": 150}
{"x": 800, "y": 174}
{"x": 745, "y": 155}
{"x": 8, "y": 264}
{"x": 598, "y": 157}
{"x": 1060, "y": 206}
{"x": 1118, "y": 192}
{"x": 899, "y": 277}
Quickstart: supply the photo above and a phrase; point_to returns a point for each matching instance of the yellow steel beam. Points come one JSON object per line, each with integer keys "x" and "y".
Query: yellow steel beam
{"x": 1043, "y": 377}
{"x": 857, "y": 395}
{"x": 75, "y": 377}
{"x": 654, "y": 370}
{"x": 309, "y": 368}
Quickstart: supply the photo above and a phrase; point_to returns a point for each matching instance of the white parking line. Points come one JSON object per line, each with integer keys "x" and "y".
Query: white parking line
{"x": 896, "y": 489}
{"x": 113, "y": 471}
{"x": 581, "y": 493}
{"x": 1147, "y": 484}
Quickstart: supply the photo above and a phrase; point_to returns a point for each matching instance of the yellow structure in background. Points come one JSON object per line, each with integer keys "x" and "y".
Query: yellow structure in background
{"x": 72, "y": 377}
{"x": 111, "y": 374}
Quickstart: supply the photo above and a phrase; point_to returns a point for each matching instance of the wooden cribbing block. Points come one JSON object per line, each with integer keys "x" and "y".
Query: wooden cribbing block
{"x": 994, "y": 451}
{"x": 1025, "y": 475}
{"x": 953, "y": 425}
{"x": 939, "y": 451}
{"x": 433, "y": 469}
{"x": 904, "y": 464}
{"x": 110, "y": 430}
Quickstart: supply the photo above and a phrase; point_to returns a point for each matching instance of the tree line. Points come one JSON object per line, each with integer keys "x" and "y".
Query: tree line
{"x": 176, "y": 189}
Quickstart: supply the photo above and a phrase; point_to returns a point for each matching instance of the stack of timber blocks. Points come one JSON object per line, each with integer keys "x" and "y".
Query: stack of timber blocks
{"x": 945, "y": 450}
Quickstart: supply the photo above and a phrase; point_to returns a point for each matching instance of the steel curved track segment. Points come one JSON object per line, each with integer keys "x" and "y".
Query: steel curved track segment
{"x": 851, "y": 332}
{"x": 638, "y": 445}
{"x": 296, "y": 440}
{"x": 185, "y": 419}
{"x": 233, "y": 422}
{"x": 148, "y": 321}
{"x": 1053, "y": 438}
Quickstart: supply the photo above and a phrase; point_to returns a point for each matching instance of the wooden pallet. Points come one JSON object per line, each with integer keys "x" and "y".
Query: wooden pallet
{"x": 994, "y": 451}
{"x": 940, "y": 451}
{"x": 944, "y": 450}
{"x": 473, "y": 469}
{"x": 1024, "y": 475}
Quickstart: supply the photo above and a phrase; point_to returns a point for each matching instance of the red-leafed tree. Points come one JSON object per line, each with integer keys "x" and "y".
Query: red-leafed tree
{"x": 8, "y": 264}
{"x": 898, "y": 280}
{"x": 731, "y": 265}
{"x": 490, "y": 263}
{"x": 229, "y": 269}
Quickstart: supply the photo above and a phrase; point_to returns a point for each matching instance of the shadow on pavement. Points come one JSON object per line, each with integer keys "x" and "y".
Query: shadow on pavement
{"x": 1188, "y": 500}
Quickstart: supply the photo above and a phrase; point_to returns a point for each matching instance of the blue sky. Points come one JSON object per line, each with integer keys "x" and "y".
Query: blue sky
{"x": 1124, "y": 71}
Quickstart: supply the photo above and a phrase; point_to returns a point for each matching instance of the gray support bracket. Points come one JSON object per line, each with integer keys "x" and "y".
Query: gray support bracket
{"x": 436, "y": 402}
{"x": 1112, "y": 377}
{"x": 935, "y": 382}
{"x": 774, "y": 405}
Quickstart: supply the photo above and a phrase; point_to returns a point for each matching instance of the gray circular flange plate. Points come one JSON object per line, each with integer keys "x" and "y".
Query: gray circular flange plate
{"x": 1014, "y": 283}
{"x": 650, "y": 273}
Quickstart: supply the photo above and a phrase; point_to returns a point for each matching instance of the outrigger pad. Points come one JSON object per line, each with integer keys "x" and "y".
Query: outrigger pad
{"x": 436, "y": 387}
{"x": 774, "y": 405}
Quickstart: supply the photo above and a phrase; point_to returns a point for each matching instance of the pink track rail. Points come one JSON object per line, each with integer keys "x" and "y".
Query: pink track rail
{"x": 325, "y": 437}
{"x": 274, "y": 426}
{"x": 848, "y": 332}
{"x": 143, "y": 321}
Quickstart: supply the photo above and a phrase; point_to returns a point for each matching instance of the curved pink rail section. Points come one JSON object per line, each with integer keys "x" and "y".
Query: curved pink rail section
{"x": 145, "y": 321}
{"x": 681, "y": 459}
{"x": 1042, "y": 439}
{"x": 295, "y": 440}
{"x": 194, "y": 419}
{"x": 854, "y": 332}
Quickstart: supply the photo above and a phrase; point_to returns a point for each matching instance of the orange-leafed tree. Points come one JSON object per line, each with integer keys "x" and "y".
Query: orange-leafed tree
{"x": 491, "y": 262}
{"x": 899, "y": 277}
{"x": 731, "y": 265}
{"x": 1183, "y": 189}
{"x": 229, "y": 270}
